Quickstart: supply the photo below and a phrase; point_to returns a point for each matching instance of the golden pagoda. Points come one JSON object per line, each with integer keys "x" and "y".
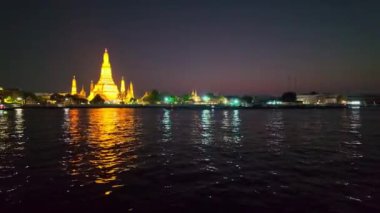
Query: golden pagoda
{"x": 122, "y": 90}
{"x": 195, "y": 97}
{"x": 122, "y": 86}
{"x": 130, "y": 93}
{"x": 106, "y": 87}
{"x": 82, "y": 93}
{"x": 126, "y": 96}
{"x": 74, "y": 86}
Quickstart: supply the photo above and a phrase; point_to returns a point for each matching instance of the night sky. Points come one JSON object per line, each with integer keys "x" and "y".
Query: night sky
{"x": 229, "y": 47}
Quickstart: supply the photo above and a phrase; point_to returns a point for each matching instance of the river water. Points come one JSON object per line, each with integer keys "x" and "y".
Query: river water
{"x": 151, "y": 160}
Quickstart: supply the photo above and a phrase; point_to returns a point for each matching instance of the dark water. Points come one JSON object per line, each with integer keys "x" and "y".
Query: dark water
{"x": 151, "y": 160}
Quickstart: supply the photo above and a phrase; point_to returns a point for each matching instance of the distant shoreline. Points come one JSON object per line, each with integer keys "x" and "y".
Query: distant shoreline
{"x": 156, "y": 106}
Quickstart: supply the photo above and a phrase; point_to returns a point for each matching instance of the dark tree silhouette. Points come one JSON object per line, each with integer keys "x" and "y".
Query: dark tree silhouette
{"x": 186, "y": 98}
{"x": 247, "y": 99}
{"x": 58, "y": 98}
{"x": 289, "y": 97}
{"x": 153, "y": 97}
{"x": 97, "y": 100}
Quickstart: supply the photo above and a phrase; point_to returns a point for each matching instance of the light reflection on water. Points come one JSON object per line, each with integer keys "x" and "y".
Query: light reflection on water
{"x": 231, "y": 123}
{"x": 355, "y": 124}
{"x": 12, "y": 146}
{"x": 100, "y": 145}
{"x": 4, "y": 126}
{"x": 19, "y": 124}
{"x": 166, "y": 126}
{"x": 275, "y": 131}
{"x": 190, "y": 158}
{"x": 352, "y": 140}
{"x": 207, "y": 125}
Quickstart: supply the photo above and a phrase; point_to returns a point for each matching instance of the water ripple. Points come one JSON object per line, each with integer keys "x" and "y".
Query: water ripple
{"x": 173, "y": 160}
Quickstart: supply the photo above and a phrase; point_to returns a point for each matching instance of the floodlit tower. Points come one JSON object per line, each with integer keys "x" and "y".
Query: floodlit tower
{"x": 131, "y": 92}
{"x": 194, "y": 96}
{"x": 122, "y": 85}
{"x": 82, "y": 93}
{"x": 91, "y": 85}
{"x": 74, "y": 86}
{"x": 105, "y": 87}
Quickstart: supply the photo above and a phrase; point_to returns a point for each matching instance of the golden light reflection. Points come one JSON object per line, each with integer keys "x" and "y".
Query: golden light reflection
{"x": 101, "y": 144}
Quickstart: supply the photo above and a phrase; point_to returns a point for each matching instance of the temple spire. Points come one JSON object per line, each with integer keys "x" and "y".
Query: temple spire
{"x": 106, "y": 72}
{"x": 82, "y": 93}
{"x": 122, "y": 86}
{"x": 106, "y": 58}
{"x": 74, "y": 86}
{"x": 131, "y": 92}
{"x": 106, "y": 86}
{"x": 194, "y": 96}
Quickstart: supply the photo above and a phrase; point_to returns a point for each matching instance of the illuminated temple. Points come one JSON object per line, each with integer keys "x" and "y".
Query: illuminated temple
{"x": 74, "y": 86}
{"x": 106, "y": 87}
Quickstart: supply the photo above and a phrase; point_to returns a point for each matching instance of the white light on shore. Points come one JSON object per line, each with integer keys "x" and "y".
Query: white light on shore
{"x": 354, "y": 103}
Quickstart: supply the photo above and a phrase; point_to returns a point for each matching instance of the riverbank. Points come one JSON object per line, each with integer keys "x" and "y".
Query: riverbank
{"x": 182, "y": 106}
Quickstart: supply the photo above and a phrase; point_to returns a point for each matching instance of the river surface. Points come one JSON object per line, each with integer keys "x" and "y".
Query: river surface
{"x": 154, "y": 160}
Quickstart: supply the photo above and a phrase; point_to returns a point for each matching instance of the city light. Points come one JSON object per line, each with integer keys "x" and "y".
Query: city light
{"x": 274, "y": 102}
{"x": 168, "y": 99}
{"x": 206, "y": 98}
{"x": 235, "y": 102}
{"x": 355, "y": 103}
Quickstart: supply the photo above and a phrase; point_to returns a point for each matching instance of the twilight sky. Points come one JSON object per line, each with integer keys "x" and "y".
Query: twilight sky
{"x": 229, "y": 47}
